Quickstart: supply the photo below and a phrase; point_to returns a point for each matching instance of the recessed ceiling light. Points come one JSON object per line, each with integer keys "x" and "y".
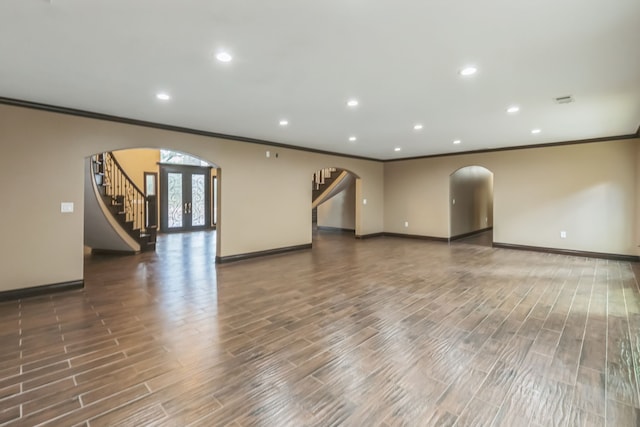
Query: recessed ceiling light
{"x": 284, "y": 122}
{"x": 468, "y": 71}
{"x": 397, "y": 149}
{"x": 352, "y": 138}
{"x": 352, "y": 103}
{"x": 535, "y": 131}
{"x": 513, "y": 109}
{"x": 417, "y": 127}
{"x": 163, "y": 96}
{"x": 224, "y": 57}
{"x": 457, "y": 141}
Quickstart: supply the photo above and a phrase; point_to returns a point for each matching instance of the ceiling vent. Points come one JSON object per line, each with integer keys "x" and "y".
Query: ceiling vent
{"x": 564, "y": 99}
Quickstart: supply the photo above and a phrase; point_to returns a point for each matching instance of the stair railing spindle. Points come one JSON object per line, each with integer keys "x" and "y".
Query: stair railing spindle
{"x": 131, "y": 201}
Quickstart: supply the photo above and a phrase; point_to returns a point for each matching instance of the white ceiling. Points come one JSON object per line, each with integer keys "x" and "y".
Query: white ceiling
{"x": 302, "y": 60}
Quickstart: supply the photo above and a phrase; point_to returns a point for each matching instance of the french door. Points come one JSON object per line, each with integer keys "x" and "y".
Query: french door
{"x": 185, "y": 198}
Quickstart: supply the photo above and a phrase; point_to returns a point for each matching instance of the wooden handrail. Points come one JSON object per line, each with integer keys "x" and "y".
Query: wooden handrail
{"x": 115, "y": 160}
{"x": 124, "y": 194}
{"x": 135, "y": 212}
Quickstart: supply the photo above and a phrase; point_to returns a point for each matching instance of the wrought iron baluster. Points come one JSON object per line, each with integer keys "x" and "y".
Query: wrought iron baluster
{"x": 131, "y": 200}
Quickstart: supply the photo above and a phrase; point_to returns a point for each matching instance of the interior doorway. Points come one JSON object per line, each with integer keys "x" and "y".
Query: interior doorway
{"x": 141, "y": 192}
{"x": 471, "y": 205}
{"x": 333, "y": 203}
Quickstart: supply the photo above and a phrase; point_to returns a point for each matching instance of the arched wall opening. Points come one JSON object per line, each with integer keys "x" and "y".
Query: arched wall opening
{"x": 168, "y": 191}
{"x": 470, "y": 201}
{"x": 335, "y": 196}
{"x": 266, "y": 199}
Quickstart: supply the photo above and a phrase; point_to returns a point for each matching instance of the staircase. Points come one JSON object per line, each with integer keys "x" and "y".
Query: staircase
{"x": 321, "y": 180}
{"x": 328, "y": 183}
{"x": 134, "y": 212}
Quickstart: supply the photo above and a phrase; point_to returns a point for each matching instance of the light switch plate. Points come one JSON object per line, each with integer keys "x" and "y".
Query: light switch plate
{"x": 66, "y": 207}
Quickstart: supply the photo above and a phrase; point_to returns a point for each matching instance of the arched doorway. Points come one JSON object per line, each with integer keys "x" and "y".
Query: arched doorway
{"x": 471, "y": 205}
{"x": 132, "y": 195}
{"x": 334, "y": 200}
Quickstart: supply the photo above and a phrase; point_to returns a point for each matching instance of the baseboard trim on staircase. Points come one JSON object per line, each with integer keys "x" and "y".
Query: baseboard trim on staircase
{"x": 34, "y": 291}
{"x": 249, "y": 255}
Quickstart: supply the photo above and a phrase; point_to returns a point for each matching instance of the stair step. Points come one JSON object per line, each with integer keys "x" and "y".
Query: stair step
{"x": 117, "y": 204}
{"x": 148, "y": 247}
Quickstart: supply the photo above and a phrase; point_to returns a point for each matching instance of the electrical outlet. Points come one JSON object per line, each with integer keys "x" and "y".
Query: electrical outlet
{"x": 364, "y": 201}
{"x": 268, "y": 154}
{"x": 563, "y": 234}
{"x": 406, "y": 224}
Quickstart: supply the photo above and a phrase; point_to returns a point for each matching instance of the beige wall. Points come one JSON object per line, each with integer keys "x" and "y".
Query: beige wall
{"x": 340, "y": 210}
{"x": 137, "y": 161}
{"x": 637, "y": 222}
{"x": 587, "y": 190}
{"x": 470, "y": 199}
{"x": 45, "y": 153}
{"x": 38, "y": 244}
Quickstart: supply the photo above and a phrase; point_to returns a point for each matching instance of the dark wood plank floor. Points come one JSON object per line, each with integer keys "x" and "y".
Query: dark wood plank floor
{"x": 379, "y": 332}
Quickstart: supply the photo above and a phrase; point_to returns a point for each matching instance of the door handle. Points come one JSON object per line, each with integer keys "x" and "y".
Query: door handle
{"x": 186, "y": 208}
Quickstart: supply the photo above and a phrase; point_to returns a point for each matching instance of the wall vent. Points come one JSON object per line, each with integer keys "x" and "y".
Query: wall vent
{"x": 563, "y": 99}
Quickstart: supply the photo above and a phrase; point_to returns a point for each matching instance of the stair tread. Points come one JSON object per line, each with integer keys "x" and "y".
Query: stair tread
{"x": 117, "y": 204}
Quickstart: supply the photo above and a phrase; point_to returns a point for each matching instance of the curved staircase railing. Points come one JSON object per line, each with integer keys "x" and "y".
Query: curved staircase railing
{"x": 321, "y": 180}
{"x": 135, "y": 212}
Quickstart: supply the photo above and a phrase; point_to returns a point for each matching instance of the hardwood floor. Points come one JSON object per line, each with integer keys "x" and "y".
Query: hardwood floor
{"x": 377, "y": 332}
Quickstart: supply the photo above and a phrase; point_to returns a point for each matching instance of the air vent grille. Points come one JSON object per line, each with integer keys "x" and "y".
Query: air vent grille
{"x": 564, "y": 99}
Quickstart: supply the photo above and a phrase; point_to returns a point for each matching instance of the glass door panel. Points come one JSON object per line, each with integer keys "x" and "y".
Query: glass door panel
{"x": 214, "y": 184}
{"x": 198, "y": 200}
{"x": 174, "y": 199}
{"x": 185, "y": 197}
